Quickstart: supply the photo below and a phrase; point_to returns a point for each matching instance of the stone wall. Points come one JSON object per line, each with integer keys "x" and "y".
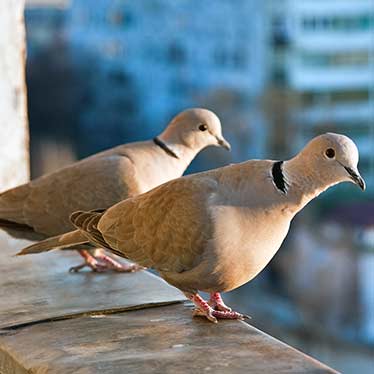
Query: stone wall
{"x": 14, "y": 155}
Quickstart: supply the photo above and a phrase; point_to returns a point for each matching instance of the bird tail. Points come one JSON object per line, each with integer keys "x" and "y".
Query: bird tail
{"x": 20, "y": 230}
{"x": 67, "y": 240}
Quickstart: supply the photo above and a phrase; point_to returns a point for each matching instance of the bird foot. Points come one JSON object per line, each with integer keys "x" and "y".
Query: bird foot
{"x": 92, "y": 263}
{"x": 213, "y": 315}
{"x": 204, "y": 309}
{"x": 100, "y": 262}
{"x": 217, "y": 303}
{"x": 118, "y": 266}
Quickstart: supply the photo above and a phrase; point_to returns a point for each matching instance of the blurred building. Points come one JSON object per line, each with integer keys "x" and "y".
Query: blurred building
{"x": 330, "y": 66}
{"x": 52, "y": 95}
{"x": 45, "y": 25}
{"x": 138, "y": 63}
{"x": 156, "y": 58}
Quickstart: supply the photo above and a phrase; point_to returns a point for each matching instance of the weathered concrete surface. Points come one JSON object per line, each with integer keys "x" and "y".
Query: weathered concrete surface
{"x": 156, "y": 340}
{"x": 14, "y": 159}
{"x": 39, "y": 287}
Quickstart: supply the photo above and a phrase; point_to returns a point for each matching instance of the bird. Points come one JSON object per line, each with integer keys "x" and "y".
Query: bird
{"x": 216, "y": 230}
{"x": 41, "y": 208}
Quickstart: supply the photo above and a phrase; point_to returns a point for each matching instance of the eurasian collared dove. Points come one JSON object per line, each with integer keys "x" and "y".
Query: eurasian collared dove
{"x": 215, "y": 231}
{"x": 44, "y": 205}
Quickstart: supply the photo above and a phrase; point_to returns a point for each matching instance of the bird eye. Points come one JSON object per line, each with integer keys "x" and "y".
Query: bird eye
{"x": 203, "y": 127}
{"x": 330, "y": 153}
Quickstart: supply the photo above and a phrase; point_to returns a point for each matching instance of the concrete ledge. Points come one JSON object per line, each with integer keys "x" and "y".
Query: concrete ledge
{"x": 39, "y": 287}
{"x": 55, "y": 322}
{"x": 156, "y": 340}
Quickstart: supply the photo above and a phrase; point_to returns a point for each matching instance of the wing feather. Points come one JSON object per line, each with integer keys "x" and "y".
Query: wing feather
{"x": 46, "y": 203}
{"x": 165, "y": 228}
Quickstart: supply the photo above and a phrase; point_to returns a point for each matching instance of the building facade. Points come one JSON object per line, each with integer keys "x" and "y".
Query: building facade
{"x": 330, "y": 67}
{"x": 164, "y": 56}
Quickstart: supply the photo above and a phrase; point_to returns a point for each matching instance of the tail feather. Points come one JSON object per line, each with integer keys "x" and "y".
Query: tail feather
{"x": 82, "y": 219}
{"x": 67, "y": 240}
{"x": 87, "y": 223}
{"x": 12, "y": 203}
{"x": 14, "y": 225}
{"x": 20, "y": 230}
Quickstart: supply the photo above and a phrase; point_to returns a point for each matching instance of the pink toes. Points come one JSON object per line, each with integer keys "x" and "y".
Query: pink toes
{"x": 112, "y": 264}
{"x": 217, "y": 303}
{"x": 101, "y": 262}
{"x": 207, "y": 310}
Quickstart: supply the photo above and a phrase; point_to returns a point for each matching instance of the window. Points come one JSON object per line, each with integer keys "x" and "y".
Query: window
{"x": 119, "y": 77}
{"x": 233, "y": 58}
{"x": 279, "y": 32}
{"x": 309, "y": 23}
{"x": 176, "y": 53}
{"x": 240, "y": 58}
{"x": 365, "y": 22}
{"x": 112, "y": 48}
{"x": 334, "y": 97}
{"x": 120, "y": 17}
{"x": 339, "y": 23}
{"x": 179, "y": 87}
{"x": 349, "y": 96}
{"x": 360, "y": 58}
{"x": 220, "y": 57}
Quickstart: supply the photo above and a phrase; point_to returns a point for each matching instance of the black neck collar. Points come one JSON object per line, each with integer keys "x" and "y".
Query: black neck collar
{"x": 278, "y": 177}
{"x": 162, "y": 145}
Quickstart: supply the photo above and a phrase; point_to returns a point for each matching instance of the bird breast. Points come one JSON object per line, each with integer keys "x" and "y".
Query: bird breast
{"x": 245, "y": 240}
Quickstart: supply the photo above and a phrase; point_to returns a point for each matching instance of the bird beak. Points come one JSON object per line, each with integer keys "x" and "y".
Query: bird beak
{"x": 224, "y": 143}
{"x": 356, "y": 177}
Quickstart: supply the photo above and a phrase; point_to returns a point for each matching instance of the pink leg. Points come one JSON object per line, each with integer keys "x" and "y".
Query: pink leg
{"x": 100, "y": 262}
{"x": 116, "y": 265}
{"x": 89, "y": 261}
{"x": 217, "y": 303}
{"x": 204, "y": 309}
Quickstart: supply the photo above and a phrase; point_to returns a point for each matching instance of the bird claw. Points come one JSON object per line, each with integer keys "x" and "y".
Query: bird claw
{"x": 125, "y": 268}
{"x": 205, "y": 309}
{"x": 101, "y": 262}
{"x": 115, "y": 265}
{"x": 221, "y": 307}
{"x": 229, "y": 315}
{"x": 213, "y": 315}
{"x": 95, "y": 266}
{"x": 75, "y": 269}
{"x": 200, "y": 313}
{"x": 217, "y": 303}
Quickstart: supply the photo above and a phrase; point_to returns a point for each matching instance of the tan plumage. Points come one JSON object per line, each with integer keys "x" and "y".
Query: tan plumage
{"x": 42, "y": 207}
{"x": 216, "y": 230}
{"x": 46, "y": 203}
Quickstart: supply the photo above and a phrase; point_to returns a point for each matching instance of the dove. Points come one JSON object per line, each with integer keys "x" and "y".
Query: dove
{"x": 41, "y": 208}
{"x": 216, "y": 230}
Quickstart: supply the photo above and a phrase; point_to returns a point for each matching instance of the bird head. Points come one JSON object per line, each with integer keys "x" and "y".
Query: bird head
{"x": 334, "y": 159}
{"x": 197, "y": 129}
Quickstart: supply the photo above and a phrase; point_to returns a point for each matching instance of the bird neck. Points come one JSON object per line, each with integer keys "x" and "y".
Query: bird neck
{"x": 305, "y": 180}
{"x": 184, "y": 154}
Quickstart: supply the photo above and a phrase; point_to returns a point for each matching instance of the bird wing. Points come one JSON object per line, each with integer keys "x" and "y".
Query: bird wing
{"x": 165, "y": 228}
{"x": 46, "y": 203}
